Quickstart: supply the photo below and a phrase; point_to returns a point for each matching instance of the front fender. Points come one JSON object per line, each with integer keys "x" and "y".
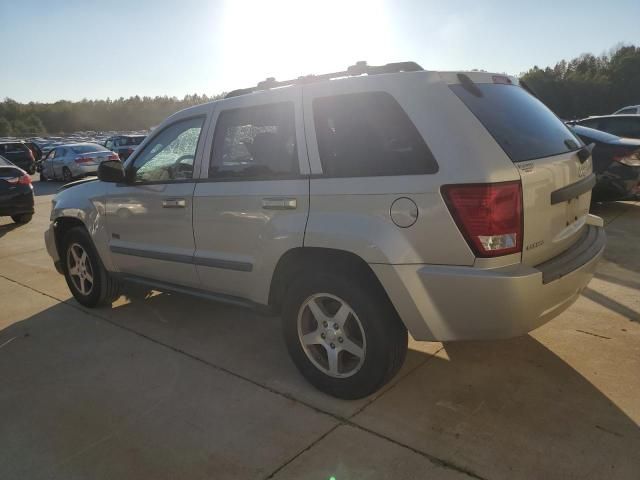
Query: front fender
{"x": 86, "y": 202}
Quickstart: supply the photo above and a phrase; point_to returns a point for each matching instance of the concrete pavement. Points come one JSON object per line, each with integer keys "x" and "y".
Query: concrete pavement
{"x": 175, "y": 387}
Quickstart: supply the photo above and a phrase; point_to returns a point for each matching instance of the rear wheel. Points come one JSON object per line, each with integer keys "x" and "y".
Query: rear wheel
{"x": 88, "y": 280}
{"x": 24, "y": 218}
{"x": 66, "y": 175}
{"x": 343, "y": 334}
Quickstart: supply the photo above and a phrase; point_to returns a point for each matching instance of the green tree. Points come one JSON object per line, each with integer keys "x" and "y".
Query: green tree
{"x": 589, "y": 85}
{"x": 20, "y": 128}
{"x": 34, "y": 125}
{"x": 5, "y": 128}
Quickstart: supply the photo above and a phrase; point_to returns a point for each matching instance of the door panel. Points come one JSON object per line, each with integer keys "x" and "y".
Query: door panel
{"x": 251, "y": 211}
{"x": 149, "y": 239}
{"x": 150, "y": 219}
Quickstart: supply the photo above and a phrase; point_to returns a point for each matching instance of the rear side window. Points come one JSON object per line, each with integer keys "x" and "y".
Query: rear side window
{"x": 255, "y": 143}
{"x": 368, "y": 134}
{"x": 622, "y": 126}
{"x": 521, "y": 124}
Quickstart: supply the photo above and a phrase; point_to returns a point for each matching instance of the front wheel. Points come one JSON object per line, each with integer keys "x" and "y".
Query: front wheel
{"x": 343, "y": 334}
{"x": 88, "y": 280}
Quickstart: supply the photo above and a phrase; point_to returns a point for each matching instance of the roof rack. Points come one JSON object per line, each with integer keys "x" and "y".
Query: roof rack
{"x": 360, "y": 68}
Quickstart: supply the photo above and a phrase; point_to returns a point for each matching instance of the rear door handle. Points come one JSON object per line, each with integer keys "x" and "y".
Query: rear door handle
{"x": 279, "y": 203}
{"x": 174, "y": 203}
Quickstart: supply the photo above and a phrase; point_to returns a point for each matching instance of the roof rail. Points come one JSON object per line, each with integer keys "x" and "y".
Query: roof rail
{"x": 360, "y": 68}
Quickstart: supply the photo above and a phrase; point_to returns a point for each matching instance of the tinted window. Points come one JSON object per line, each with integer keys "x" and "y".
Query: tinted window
{"x": 169, "y": 156}
{"x": 255, "y": 142}
{"x": 5, "y": 163}
{"x": 131, "y": 140}
{"x": 368, "y": 134}
{"x": 591, "y": 123}
{"x": 622, "y": 126}
{"x": 88, "y": 148}
{"x": 522, "y": 125}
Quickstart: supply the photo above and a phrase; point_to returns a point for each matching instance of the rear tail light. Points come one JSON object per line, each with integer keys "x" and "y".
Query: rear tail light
{"x": 33, "y": 159}
{"x": 489, "y": 215}
{"x": 113, "y": 156}
{"x": 21, "y": 180}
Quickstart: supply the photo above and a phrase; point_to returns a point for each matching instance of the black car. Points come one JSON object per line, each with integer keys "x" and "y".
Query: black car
{"x": 616, "y": 163}
{"x": 16, "y": 192}
{"x": 19, "y": 154}
{"x": 621, "y": 125}
{"x": 124, "y": 145}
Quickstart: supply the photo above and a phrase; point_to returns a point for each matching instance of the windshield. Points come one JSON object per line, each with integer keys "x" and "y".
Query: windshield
{"x": 521, "y": 124}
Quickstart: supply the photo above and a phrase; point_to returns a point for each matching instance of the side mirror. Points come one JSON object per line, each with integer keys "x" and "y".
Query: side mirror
{"x": 111, "y": 171}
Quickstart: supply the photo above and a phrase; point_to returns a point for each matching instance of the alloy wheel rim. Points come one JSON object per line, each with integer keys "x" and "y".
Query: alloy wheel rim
{"x": 331, "y": 335}
{"x": 80, "y": 269}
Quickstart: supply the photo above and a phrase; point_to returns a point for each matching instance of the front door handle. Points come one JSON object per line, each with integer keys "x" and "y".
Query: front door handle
{"x": 279, "y": 203}
{"x": 174, "y": 203}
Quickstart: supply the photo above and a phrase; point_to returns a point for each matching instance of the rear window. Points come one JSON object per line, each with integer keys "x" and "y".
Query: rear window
{"x": 522, "y": 125}
{"x": 88, "y": 148}
{"x": 127, "y": 141}
{"x": 368, "y": 134}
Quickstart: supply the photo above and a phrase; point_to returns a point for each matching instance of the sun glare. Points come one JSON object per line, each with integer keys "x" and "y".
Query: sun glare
{"x": 288, "y": 38}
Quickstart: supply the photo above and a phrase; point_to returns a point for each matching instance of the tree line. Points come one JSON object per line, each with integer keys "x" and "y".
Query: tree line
{"x": 589, "y": 84}
{"x": 134, "y": 113}
{"x": 576, "y": 88}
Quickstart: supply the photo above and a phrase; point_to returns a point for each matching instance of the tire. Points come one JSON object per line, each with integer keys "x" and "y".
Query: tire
{"x": 66, "y": 175}
{"x": 90, "y": 283}
{"x": 23, "y": 218}
{"x": 382, "y": 343}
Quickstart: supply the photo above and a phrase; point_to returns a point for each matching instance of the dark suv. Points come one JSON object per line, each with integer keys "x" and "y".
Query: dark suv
{"x": 621, "y": 125}
{"x": 124, "y": 145}
{"x": 19, "y": 154}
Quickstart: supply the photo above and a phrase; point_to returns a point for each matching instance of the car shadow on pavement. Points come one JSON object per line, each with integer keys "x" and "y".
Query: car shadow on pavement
{"x": 7, "y": 227}
{"x": 73, "y": 383}
{"x": 49, "y": 187}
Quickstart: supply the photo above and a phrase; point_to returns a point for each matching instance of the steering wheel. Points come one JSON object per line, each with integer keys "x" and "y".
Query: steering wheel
{"x": 180, "y": 167}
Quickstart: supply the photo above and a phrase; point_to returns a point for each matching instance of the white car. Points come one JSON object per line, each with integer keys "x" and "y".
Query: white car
{"x": 66, "y": 162}
{"x": 357, "y": 205}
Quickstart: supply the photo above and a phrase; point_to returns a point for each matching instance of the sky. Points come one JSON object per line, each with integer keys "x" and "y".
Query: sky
{"x": 75, "y": 49}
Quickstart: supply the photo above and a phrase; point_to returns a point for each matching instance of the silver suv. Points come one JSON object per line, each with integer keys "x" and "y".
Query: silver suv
{"x": 357, "y": 205}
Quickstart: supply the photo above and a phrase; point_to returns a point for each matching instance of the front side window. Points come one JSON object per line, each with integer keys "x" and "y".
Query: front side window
{"x": 170, "y": 155}
{"x": 368, "y": 134}
{"x": 255, "y": 143}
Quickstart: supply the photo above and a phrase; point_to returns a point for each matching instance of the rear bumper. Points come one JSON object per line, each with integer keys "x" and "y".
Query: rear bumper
{"x": 83, "y": 170}
{"x": 17, "y": 203}
{"x": 444, "y": 303}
